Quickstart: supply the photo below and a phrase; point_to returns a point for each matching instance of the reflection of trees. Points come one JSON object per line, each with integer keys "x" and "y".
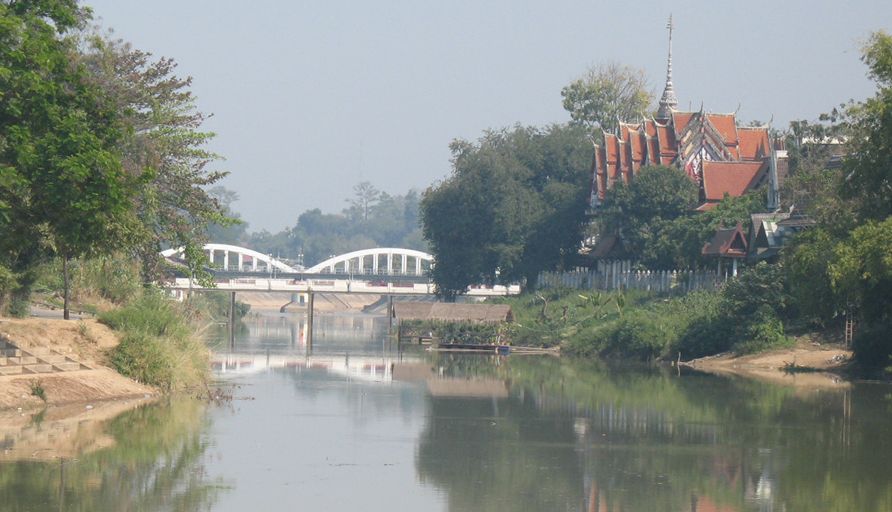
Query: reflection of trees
{"x": 657, "y": 441}
{"x": 154, "y": 464}
{"x": 503, "y": 455}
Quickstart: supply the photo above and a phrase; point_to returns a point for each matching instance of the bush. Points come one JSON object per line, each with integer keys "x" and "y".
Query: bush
{"x": 215, "y": 305}
{"x": 745, "y": 318}
{"x": 637, "y": 336}
{"x": 764, "y": 332}
{"x": 146, "y": 359}
{"x": 705, "y": 336}
{"x": 871, "y": 344}
{"x": 159, "y": 346}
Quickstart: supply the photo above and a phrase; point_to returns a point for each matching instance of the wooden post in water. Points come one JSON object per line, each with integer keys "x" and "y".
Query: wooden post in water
{"x": 310, "y": 295}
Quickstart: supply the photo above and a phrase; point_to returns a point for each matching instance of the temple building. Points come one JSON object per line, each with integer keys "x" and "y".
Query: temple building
{"x": 720, "y": 156}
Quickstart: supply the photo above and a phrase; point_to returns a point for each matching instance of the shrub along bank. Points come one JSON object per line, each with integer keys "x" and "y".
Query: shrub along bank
{"x": 160, "y": 345}
{"x": 743, "y": 317}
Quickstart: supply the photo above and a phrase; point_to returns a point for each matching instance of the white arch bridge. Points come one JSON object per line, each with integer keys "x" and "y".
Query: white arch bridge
{"x": 387, "y": 270}
{"x": 379, "y": 261}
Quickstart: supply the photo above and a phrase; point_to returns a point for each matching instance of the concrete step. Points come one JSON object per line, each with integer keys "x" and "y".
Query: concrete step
{"x": 37, "y": 368}
{"x": 67, "y": 366}
{"x": 10, "y": 370}
{"x": 3, "y": 361}
{"x": 10, "y": 352}
{"x": 22, "y": 360}
{"x": 51, "y": 358}
{"x": 40, "y": 351}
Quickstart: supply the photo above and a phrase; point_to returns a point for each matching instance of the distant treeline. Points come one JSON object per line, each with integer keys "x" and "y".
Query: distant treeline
{"x": 372, "y": 218}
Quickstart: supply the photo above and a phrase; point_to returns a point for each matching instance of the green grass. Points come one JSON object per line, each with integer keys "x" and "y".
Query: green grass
{"x": 641, "y": 326}
{"x": 159, "y": 344}
{"x": 38, "y": 390}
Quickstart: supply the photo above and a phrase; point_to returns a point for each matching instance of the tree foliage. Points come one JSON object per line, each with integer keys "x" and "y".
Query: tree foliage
{"x": 63, "y": 190}
{"x": 869, "y": 163}
{"x": 373, "y": 218}
{"x": 606, "y": 94}
{"x": 513, "y": 206}
{"x": 845, "y": 265}
{"x": 165, "y": 145}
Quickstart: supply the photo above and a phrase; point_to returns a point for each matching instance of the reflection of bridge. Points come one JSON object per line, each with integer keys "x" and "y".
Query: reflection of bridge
{"x": 382, "y": 271}
{"x": 369, "y": 368}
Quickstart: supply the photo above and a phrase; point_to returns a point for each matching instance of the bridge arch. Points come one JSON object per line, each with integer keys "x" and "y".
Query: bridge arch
{"x": 384, "y": 260}
{"x": 237, "y": 258}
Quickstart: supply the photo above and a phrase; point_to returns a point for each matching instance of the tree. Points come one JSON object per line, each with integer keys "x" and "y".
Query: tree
{"x": 513, "y": 206}
{"x": 164, "y": 147}
{"x": 62, "y": 187}
{"x": 869, "y": 162}
{"x": 640, "y": 211}
{"x": 845, "y": 264}
{"x": 861, "y": 273}
{"x": 234, "y": 231}
{"x": 365, "y": 197}
{"x": 606, "y": 94}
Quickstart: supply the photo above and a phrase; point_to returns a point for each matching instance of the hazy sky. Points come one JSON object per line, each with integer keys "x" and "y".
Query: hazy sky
{"x": 311, "y": 97}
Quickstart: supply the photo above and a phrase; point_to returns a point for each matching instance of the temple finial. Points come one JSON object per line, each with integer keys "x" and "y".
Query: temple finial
{"x": 668, "y": 101}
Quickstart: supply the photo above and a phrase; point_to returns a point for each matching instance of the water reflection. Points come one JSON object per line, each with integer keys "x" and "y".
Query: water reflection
{"x": 651, "y": 440}
{"x": 532, "y": 433}
{"x": 358, "y": 421}
{"x": 148, "y": 458}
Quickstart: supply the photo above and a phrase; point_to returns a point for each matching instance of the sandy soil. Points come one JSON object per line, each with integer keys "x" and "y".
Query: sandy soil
{"x": 87, "y": 339}
{"x": 84, "y": 340}
{"x": 814, "y": 365}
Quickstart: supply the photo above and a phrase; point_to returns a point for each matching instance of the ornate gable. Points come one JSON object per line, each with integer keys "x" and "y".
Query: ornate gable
{"x": 692, "y": 141}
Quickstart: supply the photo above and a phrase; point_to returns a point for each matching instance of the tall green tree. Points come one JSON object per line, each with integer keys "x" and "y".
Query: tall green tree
{"x": 63, "y": 190}
{"x": 843, "y": 266}
{"x": 869, "y": 162}
{"x": 164, "y": 145}
{"x": 606, "y": 94}
{"x": 513, "y": 206}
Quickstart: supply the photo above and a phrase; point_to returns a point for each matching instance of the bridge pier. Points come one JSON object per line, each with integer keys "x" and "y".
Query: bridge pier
{"x": 231, "y": 320}
{"x": 390, "y": 314}
{"x": 310, "y": 295}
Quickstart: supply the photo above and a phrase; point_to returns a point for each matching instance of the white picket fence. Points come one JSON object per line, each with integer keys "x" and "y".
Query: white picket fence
{"x": 618, "y": 275}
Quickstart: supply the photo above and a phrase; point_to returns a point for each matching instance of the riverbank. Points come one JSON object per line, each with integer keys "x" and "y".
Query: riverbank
{"x": 84, "y": 342}
{"x": 804, "y": 365}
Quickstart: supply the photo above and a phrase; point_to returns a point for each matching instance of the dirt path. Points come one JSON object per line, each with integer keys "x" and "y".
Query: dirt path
{"x": 805, "y": 365}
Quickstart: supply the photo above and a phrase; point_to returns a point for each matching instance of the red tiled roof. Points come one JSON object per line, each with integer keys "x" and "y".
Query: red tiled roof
{"x": 650, "y": 127}
{"x": 653, "y": 151}
{"x": 726, "y": 125}
{"x": 610, "y": 147}
{"x": 667, "y": 145}
{"x": 733, "y": 178}
{"x": 753, "y": 143}
{"x": 680, "y": 120}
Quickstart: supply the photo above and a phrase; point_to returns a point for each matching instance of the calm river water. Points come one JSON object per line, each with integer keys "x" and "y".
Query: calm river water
{"x": 358, "y": 423}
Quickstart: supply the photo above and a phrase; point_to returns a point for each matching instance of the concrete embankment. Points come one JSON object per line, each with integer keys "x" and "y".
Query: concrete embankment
{"x": 54, "y": 362}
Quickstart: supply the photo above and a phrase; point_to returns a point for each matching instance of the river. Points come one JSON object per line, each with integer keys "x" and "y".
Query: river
{"x": 358, "y": 422}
